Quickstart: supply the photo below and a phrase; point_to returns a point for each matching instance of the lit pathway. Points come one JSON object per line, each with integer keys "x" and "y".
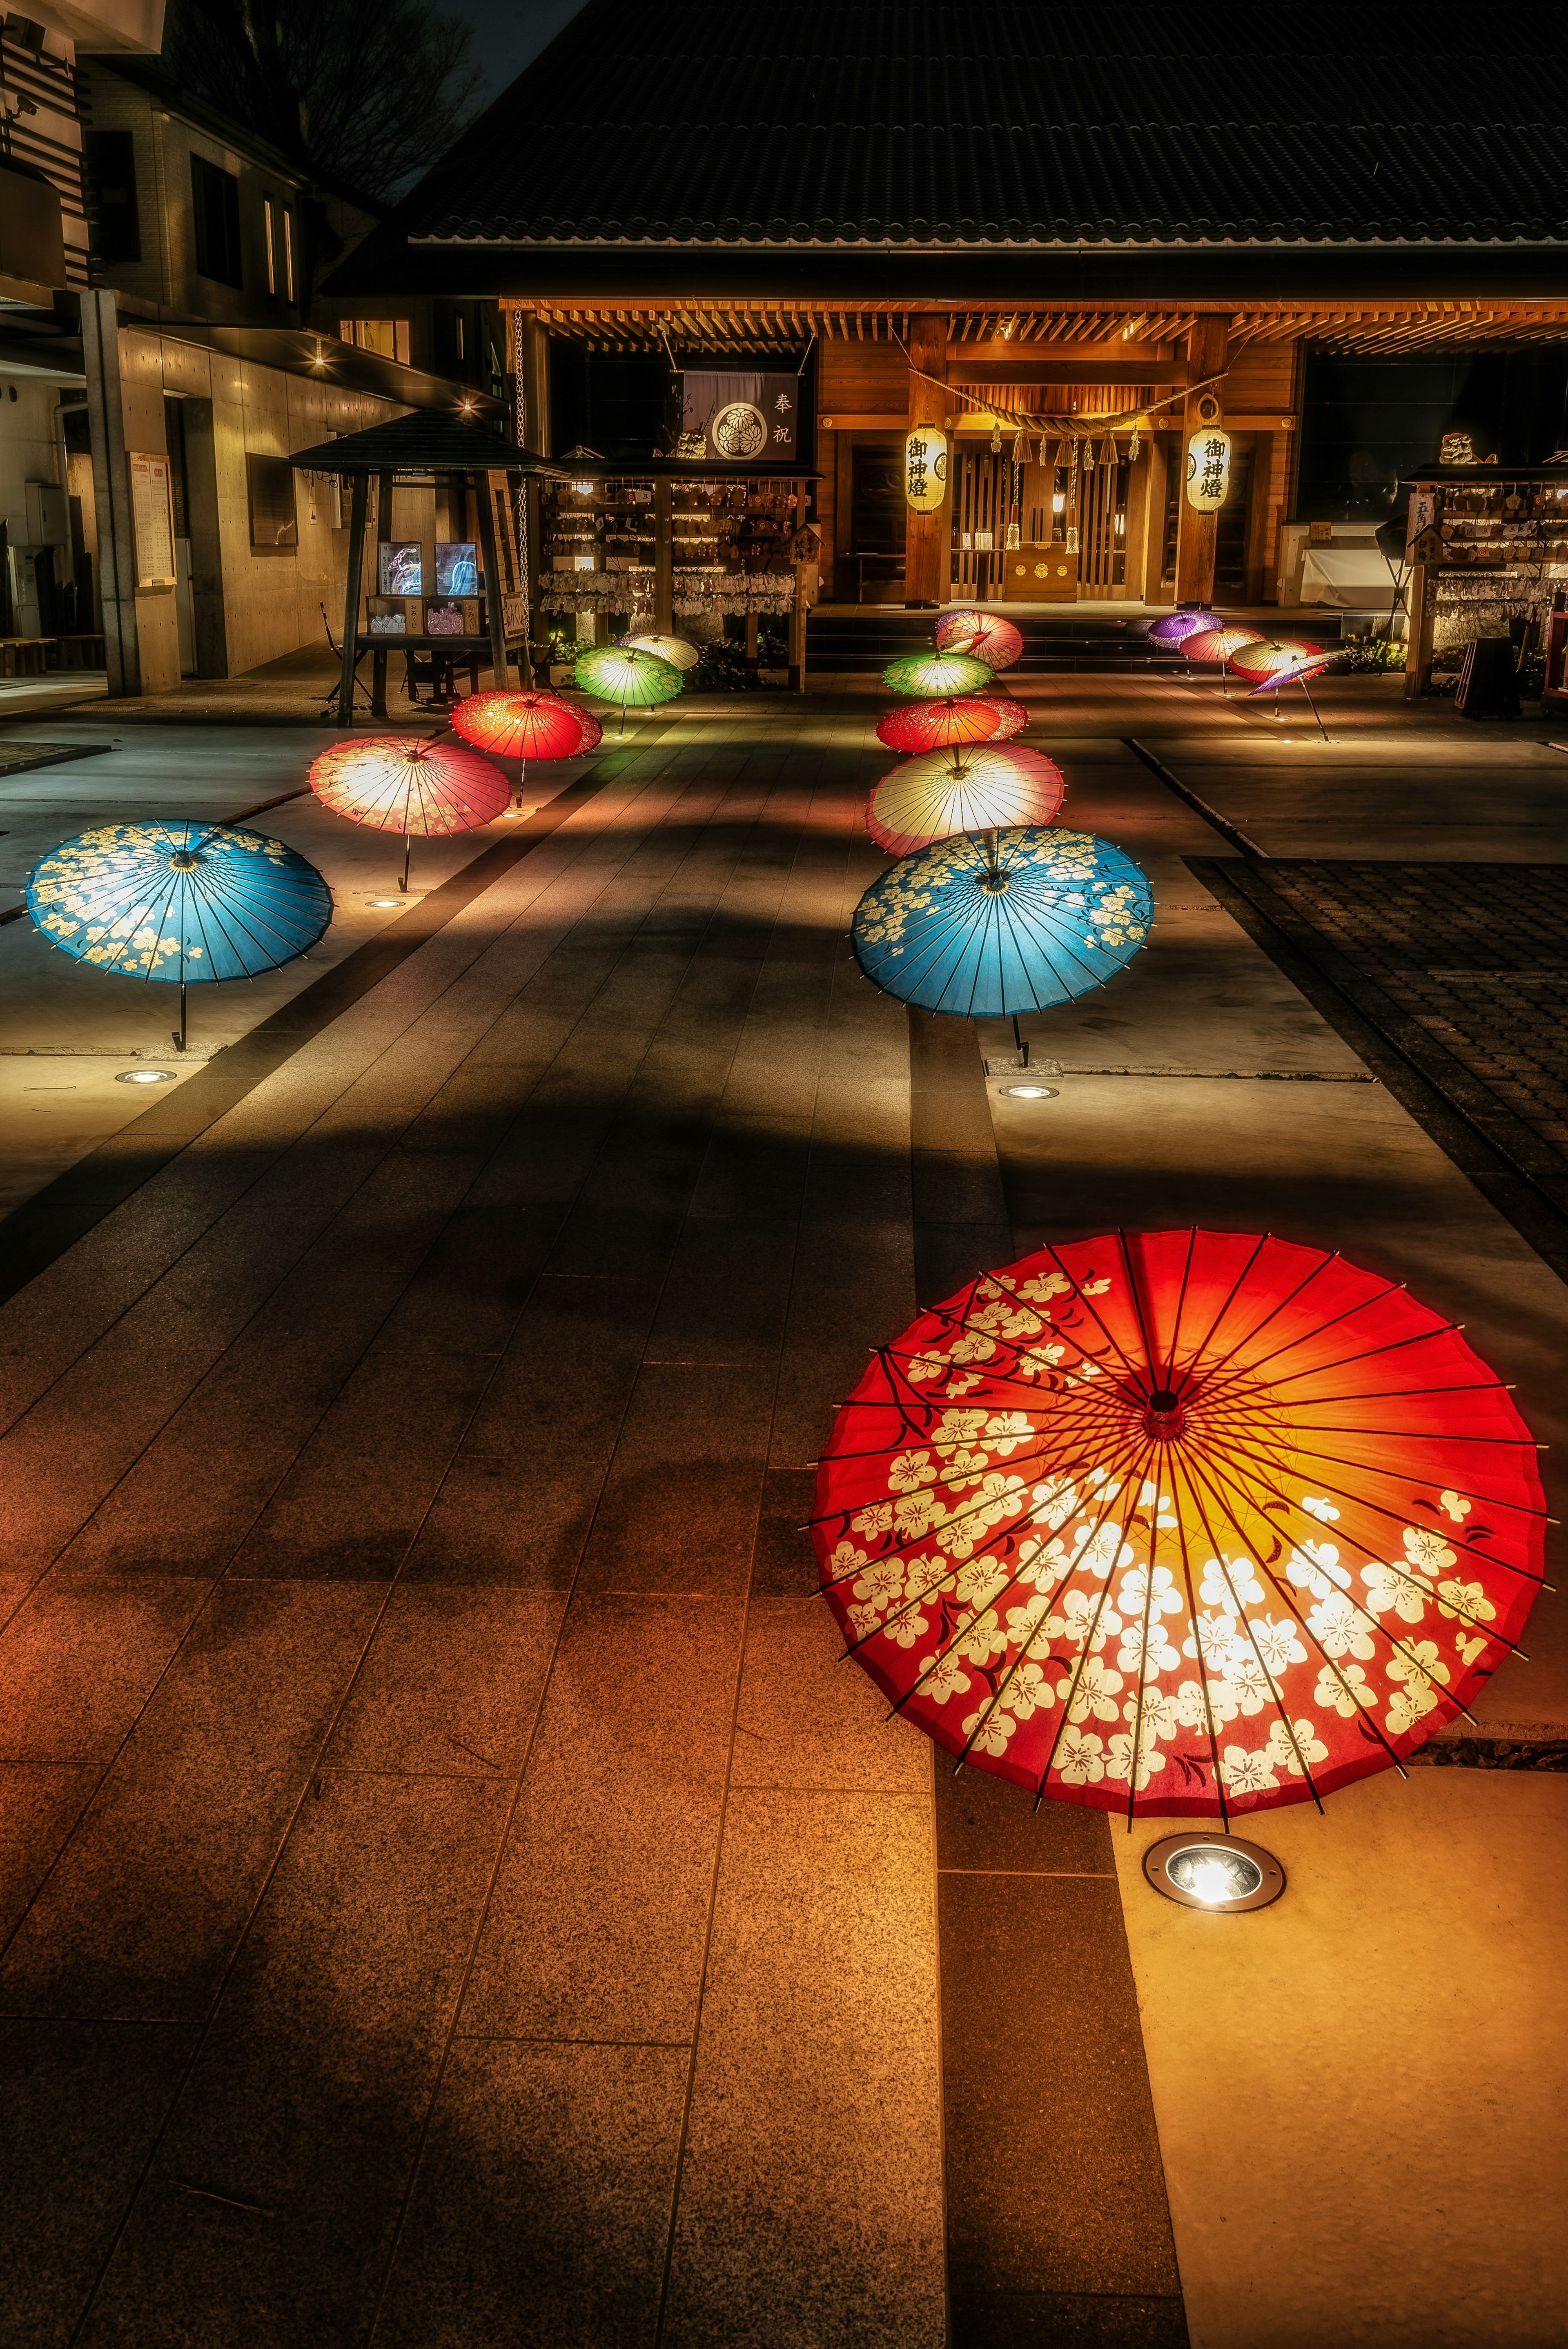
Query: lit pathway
{"x": 455, "y": 1894}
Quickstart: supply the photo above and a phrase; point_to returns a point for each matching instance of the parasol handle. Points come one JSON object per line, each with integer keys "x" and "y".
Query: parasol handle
{"x": 1316, "y": 712}
{"x": 408, "y": 852}
{"x": 180, "y": 1032}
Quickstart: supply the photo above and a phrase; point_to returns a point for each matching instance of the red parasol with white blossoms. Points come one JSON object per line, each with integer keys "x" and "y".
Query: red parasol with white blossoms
{"x": 1194, "y": 1523}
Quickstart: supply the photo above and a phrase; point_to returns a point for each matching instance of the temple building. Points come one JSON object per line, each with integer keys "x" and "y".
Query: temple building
{"x": 1066, "y": 258}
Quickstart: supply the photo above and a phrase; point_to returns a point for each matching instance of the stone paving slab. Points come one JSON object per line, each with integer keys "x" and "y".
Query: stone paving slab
{"x": 437, "y": 1314}
{"x": 563, "y": 1948}
{"x": 1477, "y": 954}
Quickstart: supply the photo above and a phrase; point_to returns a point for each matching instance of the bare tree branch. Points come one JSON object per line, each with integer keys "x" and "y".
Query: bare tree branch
{"x": 366, "y": 91}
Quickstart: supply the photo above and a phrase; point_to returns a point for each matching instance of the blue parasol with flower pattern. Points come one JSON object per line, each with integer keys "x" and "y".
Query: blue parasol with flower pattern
{"x": 187, "y": 904}
{"x": 992, "y": 923}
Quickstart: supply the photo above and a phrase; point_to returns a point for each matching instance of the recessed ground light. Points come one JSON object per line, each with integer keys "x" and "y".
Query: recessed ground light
{"x": 145, "y": 1077}
{"x": 1223, "y": 1874}
{"x": 1029, "y": 1093}
{"x": 393, "y": 901}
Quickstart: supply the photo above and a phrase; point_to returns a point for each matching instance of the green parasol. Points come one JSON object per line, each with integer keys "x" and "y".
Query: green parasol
{"x": 622, "y": 673}
{"x": 937, "y": 675}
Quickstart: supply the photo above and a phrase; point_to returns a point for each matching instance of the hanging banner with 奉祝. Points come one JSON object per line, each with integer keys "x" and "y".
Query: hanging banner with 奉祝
{"x": 738, "y": 420}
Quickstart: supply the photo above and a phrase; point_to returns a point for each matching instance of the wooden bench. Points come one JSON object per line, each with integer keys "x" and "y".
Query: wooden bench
{"x": 23, "y": 656}
{"x": 79, "y": 652}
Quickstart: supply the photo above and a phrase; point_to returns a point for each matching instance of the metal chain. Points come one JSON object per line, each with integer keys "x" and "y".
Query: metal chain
{"x": 522, "y": 438}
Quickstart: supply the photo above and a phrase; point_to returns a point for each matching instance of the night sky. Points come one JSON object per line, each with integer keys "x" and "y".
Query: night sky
{"x": 508, "y": 34}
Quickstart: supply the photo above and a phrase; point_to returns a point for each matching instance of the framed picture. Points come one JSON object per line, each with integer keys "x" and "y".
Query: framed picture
{"x": 269, "y": 489}
{"x": 152, "y": 512}
{"x": 402, "y": 567}
{"x": 456, "y": 567}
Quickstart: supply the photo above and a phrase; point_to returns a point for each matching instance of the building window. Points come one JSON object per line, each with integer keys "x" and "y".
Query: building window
{"x": 269, "y": 231}
{"x": 111, "y": 166}
{"x": 389, "y": 336}
{"x": 288, "y": 252}
{"x": 216, "y": 196}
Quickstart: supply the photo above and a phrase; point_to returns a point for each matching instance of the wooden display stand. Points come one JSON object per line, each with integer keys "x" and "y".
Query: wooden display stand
{"x": 672, "y": 528}
{"x": 422, "y": 446}
{"x": 1507, "y": 530}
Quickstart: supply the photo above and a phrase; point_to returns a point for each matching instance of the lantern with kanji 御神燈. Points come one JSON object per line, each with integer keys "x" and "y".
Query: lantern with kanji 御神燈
{"x": 1208, "y": 468}
{"x": 926, "y": 468}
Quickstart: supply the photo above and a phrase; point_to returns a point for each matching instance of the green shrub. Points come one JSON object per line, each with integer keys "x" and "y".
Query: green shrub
{"x": 1370, "y": 654}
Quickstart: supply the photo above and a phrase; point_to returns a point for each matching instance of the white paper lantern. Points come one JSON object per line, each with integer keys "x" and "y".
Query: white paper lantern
{"x": 1208, "y": 468}
{"x": 926, "y": 468}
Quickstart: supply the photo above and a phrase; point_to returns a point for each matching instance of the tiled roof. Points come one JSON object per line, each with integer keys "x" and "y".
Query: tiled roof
{"x": 811, "y": 122}
{"x": 424, "y": 442}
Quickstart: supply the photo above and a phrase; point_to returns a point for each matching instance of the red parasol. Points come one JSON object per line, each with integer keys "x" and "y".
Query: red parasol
{"x": 948, "y": 792}
{"x": 423, "y": 790}
{"x": 531, "y": 725}
{"x": 593, "y": 733}
{"x": 937, "y": 725}
{"x": 985, "y": 635}
{"x": 1013, "y": 713}
{"x": 1181, "y": 1522}
{"x": 1219, "y": 645}
{"x": 1272, "y": 657}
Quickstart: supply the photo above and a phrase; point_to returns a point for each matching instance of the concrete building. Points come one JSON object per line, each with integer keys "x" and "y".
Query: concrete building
{"x": 43, "y": 262}
{"x": 162, "y": 360}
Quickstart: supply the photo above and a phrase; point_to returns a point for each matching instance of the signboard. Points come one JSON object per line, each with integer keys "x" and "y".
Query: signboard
{"x": 269, "y": 489}
{"x": 401, "y": 567}
{"x": 1421, "y": 518}
{"x": 738, "y": 420}
{"x": 457, "y": 567}
{"x": 926, "y": 468}
{"x": 1208, "y": 469}
{"x": 504, "y": 508}
{"x": 153, "y": 516}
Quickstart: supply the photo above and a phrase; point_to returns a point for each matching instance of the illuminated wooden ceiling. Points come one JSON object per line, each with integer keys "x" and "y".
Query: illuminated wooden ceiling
{"x": 764, "y": 330}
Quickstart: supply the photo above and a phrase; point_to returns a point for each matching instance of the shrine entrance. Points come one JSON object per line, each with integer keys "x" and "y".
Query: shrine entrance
{"x": 1052, "y": 528}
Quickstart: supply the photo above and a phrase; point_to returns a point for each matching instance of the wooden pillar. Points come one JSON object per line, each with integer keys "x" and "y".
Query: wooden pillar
{"x": 351, "y": 598}
{"x": 493, "y": 586}
{"x": 663, "y": 559}
{"x": 925, "y": 534}
{"x": 1157, "y": 464}
{"x": 1137, "y": 519}
{"x": 117, "y": 567}
{"x": 1207, "y": 346}
{"x": 533, "y": 579}
{"x": 1422, "y": 606}
{"x": 805, "y": 588}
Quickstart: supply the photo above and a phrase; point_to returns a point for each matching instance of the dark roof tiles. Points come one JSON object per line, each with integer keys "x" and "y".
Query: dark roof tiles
{"x": 814, "y": 122}
{"x": 423, "y": 442}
